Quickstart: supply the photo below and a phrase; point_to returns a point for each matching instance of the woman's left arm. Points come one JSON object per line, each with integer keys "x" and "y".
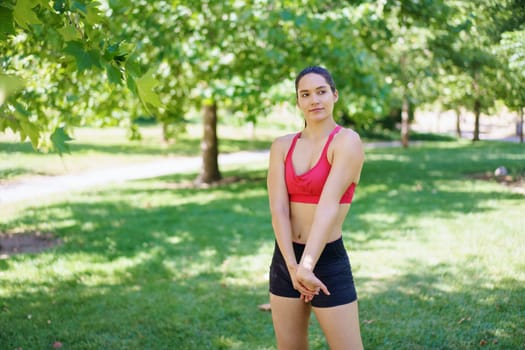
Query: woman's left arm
{"x": 347, "y": 162}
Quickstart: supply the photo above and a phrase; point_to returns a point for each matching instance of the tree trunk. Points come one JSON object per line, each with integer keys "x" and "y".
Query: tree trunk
{"x": 165, "y": 136}
{"x": 520, "y": 129}
{"x": 458, "y": 123}
{"x": 477, "y": 112}
{"x": 404, "y": 123}
{"x": 209, "y": 146}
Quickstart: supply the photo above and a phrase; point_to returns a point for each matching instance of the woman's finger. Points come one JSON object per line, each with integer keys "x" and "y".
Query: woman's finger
{"x": 305, "y": 290}
{"x": 323, "y": 288}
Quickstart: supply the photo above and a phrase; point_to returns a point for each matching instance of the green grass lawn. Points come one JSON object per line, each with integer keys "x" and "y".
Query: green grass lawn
{"x": 151, "y": 264}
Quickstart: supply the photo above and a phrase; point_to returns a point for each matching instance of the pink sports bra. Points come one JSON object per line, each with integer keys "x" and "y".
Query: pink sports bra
{"x": 307, "y": 188}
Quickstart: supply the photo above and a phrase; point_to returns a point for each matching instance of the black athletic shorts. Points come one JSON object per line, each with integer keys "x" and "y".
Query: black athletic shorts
{"x": 333, "y": 269}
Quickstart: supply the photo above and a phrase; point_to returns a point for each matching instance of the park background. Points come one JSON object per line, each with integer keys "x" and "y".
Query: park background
{"x": 435, "y": 234}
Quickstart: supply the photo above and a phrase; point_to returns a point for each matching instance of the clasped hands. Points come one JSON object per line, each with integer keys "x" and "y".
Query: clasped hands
{"x": 305, "y": 281}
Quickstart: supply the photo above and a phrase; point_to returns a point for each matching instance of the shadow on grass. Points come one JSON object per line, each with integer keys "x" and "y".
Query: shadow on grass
{"x": 439, "y": 307}
{"x": 6, "y": 174}
{"x": 139, "y": 312}
{"x": 183, "y": 147}
{"x": 232, "y": 219}
{"x": 132, "y": 147}
{"x": 399, "y": 186}
{"x": 181, "y": 285}
{"x": 438, "y": 161}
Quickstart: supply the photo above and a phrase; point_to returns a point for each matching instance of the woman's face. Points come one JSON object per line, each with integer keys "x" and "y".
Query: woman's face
{"x": 315, "y": 98}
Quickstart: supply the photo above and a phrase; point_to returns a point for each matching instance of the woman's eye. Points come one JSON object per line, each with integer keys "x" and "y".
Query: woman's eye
{"x": 321, "y": 92}
{"x": 304, "y": 95}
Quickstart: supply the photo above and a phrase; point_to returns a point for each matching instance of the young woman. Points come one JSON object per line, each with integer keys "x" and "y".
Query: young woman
{"x": 311, "y": 180}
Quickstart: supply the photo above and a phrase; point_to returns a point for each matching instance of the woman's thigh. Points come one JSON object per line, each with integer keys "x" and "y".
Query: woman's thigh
{"x": 290, "y": 321}
{"x": 340, "y": 325}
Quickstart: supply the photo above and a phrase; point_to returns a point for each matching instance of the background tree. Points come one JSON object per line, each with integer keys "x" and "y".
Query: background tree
{"x": 512, "y": 48}
{"x": 247, "y": 51}
{"x": 409, "y": 59}
{"x": 512, "y": 88}
{"x": 470, "y": 47}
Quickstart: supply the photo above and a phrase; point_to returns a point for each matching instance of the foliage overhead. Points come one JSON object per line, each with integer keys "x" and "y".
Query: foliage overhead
{"x": 69, "y": 63}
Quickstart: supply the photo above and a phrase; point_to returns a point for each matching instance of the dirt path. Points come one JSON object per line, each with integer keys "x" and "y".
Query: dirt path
{"x": 48, "y": 185}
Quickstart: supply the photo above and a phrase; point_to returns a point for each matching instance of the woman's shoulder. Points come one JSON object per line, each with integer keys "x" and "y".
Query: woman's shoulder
{"x": 348, "y": 140}
{"x": 348, "y": 135}
{"x": 283, "y": 142}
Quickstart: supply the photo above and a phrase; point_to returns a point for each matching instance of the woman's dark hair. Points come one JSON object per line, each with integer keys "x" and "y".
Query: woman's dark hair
{"x": 316, "y": 70}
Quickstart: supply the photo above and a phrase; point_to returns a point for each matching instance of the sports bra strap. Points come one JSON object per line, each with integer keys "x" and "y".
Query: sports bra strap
{"x": 325, "y": 148}
{"x": 292, "y": 146}
{"x": 330, "y": 138}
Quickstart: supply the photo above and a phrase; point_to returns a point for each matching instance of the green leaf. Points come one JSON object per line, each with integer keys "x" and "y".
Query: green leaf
{"x": 28, "y": 129}
{"x": 118, "y": 52}
{"x": 59, "y": 6}
{"x": 145, "y": 86}
{"x": 130, "y": 82}
{"x": 9, "y": 85}
{"x": 75, "y": 5}
{"x": 69, "y": 33}
{"x": 24, "y": 126}
{"x": 114, "y": 74}
{"x": 133, "y": 66}
{"x": 85, "y": 59}
{"x": 93, "y": 13}
{"x": 6, "y": 22}
{"x": 24, "y": 14}
{"x": 287, "y": 15}
{"x": 59, "y": 139}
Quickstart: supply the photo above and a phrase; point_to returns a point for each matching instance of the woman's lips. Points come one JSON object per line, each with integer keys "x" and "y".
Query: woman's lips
{"x": 316, "y": 109}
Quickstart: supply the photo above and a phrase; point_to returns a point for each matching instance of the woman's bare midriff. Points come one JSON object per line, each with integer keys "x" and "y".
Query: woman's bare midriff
{"x": 302, "y": 216}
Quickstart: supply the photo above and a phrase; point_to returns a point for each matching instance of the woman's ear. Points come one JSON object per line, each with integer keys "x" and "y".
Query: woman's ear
{"x": 336, "y": 96}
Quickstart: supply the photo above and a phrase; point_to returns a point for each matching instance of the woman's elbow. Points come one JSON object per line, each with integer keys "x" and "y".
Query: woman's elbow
{"x": 280, "y": 213}
{"x": 328, "y": 208}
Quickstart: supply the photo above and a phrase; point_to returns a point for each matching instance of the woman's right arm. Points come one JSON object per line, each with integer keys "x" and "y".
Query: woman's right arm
{"x": 280, "y": 210}
{"x": 279, "y": 203}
